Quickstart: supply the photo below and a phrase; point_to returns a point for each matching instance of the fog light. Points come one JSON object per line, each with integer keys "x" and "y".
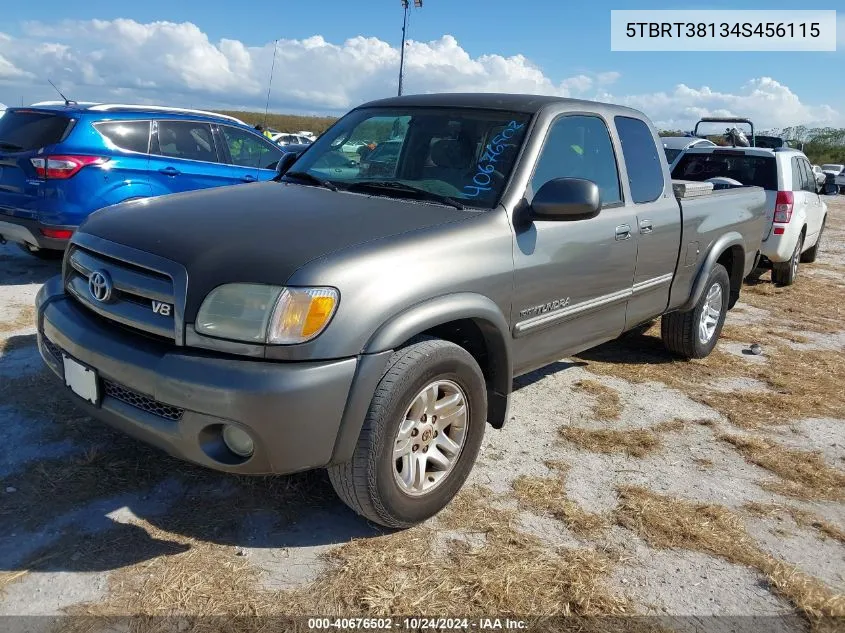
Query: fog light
{"x": 238, "y": 441}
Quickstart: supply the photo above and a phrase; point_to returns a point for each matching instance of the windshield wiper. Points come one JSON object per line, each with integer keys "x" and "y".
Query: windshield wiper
{"x": 10, "y": 146}
{"x": 304, "y": 175}
{"x": 401, "y": 187}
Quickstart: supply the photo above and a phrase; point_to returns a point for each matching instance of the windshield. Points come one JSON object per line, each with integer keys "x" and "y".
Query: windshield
{"x": 756, "y": 171}
{"x": 464, "y": 154}
{"x": 834, "y": 168}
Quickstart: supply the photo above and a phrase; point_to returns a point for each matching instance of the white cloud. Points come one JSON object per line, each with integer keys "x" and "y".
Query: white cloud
{"x": 177, "y": 64}
{"x": 764, "y": 100}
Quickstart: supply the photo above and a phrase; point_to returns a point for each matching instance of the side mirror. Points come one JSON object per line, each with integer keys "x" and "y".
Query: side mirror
{"x": 566, "y": 199}
{"x": 285, "y": 163}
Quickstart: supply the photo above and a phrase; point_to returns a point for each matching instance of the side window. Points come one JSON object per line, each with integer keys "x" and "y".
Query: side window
{"x": 797, "y": 176}
{"x": 579, "y": 147}
{"x": 645, "y": 169}
{"x": 250, "y": 150}
{"x": 133, "y": 136}
{"x": 186, "y": 139}
{"x": 809, "y": 177}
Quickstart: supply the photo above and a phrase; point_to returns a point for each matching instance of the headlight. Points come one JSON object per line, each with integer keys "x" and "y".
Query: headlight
{"x": 257, "y": 313}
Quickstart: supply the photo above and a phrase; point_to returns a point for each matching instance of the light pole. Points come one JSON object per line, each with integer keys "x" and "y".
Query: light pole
{"x": 405, "y": 9}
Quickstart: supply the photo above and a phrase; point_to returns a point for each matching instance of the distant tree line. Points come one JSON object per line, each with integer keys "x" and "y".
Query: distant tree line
{"x": 820, "y": 144}
{"x": 284, "y": 122}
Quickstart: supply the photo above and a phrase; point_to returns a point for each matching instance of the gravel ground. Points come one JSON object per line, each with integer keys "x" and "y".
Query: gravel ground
{"x": 79, "y": 503}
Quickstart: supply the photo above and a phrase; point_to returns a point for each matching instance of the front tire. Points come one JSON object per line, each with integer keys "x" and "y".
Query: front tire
{"x": 694, "y": 333}
{"x": 785, "y": 273}
{"x": 408, "y": 464}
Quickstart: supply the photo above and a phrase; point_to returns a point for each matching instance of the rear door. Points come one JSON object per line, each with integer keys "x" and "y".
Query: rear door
{"x": 814, "y": 203}
{"x": 658, "y": 220}
{"x": 129, "y": 159}
{"x": 804, "y": 207}
{"x": 184, "y": 157}
{"x": 250, "y": 156}
{"x": 25, "y": 134}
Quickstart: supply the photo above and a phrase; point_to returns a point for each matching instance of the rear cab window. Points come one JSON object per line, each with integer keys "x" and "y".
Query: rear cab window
{"x": 25, "y": 130}
{"x": 751, "y": 170}
{"x": 642, "y": 161}
{"x": 133, "y": 136}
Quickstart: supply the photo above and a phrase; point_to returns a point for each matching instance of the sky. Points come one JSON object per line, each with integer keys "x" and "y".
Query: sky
{"x": 332, "y": 55}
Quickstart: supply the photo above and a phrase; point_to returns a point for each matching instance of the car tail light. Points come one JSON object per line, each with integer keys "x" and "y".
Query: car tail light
{"x": 64, "y": 166}
{"x": 783, "y": 206}
{"x": 57, "y": 234}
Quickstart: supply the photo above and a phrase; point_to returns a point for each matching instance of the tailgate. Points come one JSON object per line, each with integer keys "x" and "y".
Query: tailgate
{"x": 24, "y": 135}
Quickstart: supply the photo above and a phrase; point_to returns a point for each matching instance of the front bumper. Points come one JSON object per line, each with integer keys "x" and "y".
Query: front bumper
{"x": 27, "y": 231}
{"x": 178, "y": 399}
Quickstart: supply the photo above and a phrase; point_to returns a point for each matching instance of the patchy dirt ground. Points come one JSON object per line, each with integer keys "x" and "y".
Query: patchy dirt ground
{"x": 625, "y": 483}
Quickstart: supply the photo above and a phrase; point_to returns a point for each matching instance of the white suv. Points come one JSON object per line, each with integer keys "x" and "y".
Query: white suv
{"x": 796, "y": 211}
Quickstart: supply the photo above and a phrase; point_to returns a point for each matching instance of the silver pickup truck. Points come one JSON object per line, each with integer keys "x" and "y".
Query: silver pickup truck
{"x": 369, "y": 317}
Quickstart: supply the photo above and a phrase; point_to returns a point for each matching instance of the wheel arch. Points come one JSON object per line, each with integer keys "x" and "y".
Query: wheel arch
{"x": 470, "y": 320}
{"x": 729, "y": 251}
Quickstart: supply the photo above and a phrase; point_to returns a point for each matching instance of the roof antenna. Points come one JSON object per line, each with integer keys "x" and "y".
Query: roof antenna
{"x": 67, "y": 101}
{"x": 270, "y": 83}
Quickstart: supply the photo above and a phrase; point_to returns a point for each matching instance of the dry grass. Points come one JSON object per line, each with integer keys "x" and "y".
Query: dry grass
{"x": 666, "y": 522}
{"x": 801, "y": 383}
{"x": 548, "y": 495}
{"x": 419, "y": 570}
{"x": 633, "y": 442}
{"x": 510, "y": 573}
{"x": 203, "y": 580}
{"x": 805, "y": 473}
{"x": 25, "y": 318}
{"x": 607, "y": 405}
{"x": 802, "y": 518}
{"x": 703, "y": 462}
{"x": 817, "y": 305}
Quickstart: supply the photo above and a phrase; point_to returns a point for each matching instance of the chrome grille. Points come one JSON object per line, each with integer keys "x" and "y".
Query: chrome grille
{"x": 134, "y": 289}
{"x": 142, "y": 402}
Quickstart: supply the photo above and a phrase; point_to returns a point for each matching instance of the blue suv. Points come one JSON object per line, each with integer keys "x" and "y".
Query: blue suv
{"x": 59, "y": 162}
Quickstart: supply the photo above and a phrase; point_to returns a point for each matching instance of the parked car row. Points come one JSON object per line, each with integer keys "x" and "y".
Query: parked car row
{"x": 60, "y": 162}
{"x": 370, "y": 318}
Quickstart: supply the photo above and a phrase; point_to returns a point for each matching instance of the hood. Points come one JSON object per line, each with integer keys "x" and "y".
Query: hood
{"x": 258, "y": 232}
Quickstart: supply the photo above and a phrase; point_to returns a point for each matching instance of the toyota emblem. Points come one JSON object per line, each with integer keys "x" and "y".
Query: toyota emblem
{"x": 100, "y": 286}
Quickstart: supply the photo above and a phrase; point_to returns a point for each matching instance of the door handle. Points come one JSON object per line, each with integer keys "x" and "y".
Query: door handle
{"x": 646, "y": 227}
{"x": 169, "y": 171}
{"x": 249, "y": 178}
{"x": 623, "y": 232}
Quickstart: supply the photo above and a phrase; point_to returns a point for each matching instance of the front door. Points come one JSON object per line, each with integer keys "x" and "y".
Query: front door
{"x": 572, "y": 278}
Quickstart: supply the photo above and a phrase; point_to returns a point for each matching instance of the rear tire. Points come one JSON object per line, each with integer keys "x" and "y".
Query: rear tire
{"x": 47, "y": 254}
{"x": 371, "y": 483}
{"x": 785, "y": 273}
{"x": 694, "y": 333}
{"x": 810, "y": 255}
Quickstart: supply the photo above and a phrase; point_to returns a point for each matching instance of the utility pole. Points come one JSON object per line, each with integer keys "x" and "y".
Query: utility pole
{"x": 405, "y": 8}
